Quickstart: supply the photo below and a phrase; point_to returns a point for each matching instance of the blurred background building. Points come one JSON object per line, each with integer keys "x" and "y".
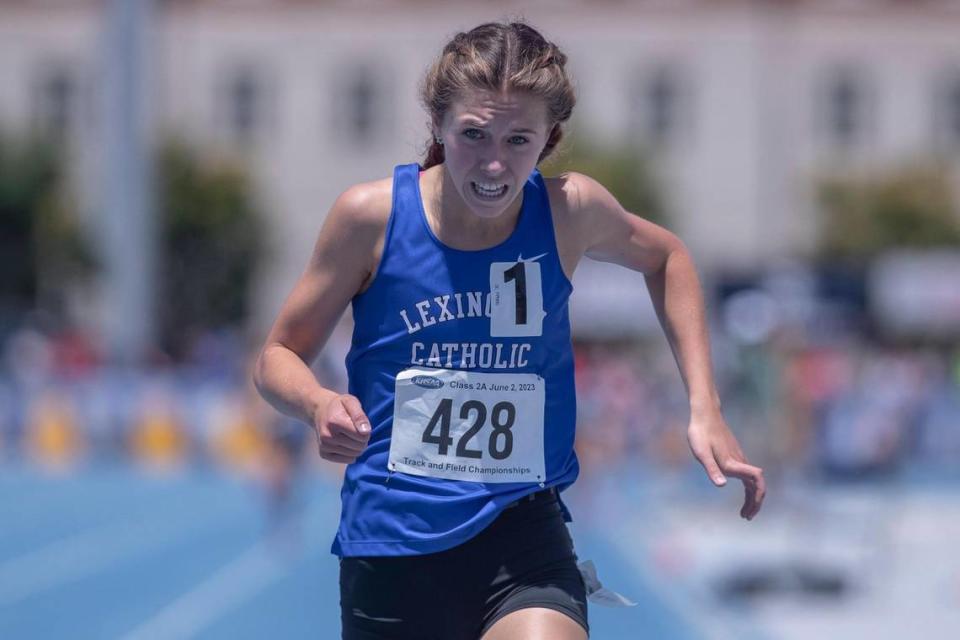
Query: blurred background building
{"x": 742, "y": 107}
{"x": 166, "y": 165}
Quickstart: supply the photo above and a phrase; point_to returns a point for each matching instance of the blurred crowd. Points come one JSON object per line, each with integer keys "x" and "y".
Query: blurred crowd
{"x": 848, "y": 410}
{"x": 62, "y": 404}
{"x": 833, "y": 412}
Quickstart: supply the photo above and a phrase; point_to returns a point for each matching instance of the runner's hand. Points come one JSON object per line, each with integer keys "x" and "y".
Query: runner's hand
{"x": 342, "y": 428}
{"x": 715, "y": 446}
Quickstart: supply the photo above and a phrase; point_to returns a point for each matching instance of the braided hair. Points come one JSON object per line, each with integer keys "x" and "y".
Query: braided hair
{"x": 499, "y": 57}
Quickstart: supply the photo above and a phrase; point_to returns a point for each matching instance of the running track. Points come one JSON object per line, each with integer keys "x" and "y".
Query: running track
{"x": 113, "y": 552}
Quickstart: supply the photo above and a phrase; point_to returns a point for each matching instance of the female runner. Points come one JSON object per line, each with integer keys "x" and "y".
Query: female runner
{"x": 458, "y": 427}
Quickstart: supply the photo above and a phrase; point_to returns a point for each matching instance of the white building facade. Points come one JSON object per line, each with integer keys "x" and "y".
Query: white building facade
{"x": 743, "y": 104}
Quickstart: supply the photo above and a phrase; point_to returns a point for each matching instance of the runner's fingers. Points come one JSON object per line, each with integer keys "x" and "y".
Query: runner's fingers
{"x": 335, "y": 457}
{"x": 336, "y": 420}
{"x": 759, "y": 493}
{"x": 350, "y": 432}
{"x": 755, "y": 492}
{"x": 712, "y": 469}
{"x": 348, "y": 444}
{"x": 341, "y": 425}
{"x": 341, "y": 449}
{"x": 749, "y": 503}
{"x": 339, "y": 437}
{"x": 754, "y": 486}
{"x": 359, "y": 422}
{"x": 743, "y": 471}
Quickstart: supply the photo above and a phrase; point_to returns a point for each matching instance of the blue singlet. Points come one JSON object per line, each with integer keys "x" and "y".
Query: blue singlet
{"x": 428, "y": 307}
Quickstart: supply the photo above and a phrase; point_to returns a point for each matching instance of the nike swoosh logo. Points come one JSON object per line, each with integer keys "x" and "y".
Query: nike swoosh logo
{"x": 521, "y": 259}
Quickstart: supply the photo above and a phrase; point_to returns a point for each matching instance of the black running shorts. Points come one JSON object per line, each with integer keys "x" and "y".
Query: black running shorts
{"x": 525, "y": 558}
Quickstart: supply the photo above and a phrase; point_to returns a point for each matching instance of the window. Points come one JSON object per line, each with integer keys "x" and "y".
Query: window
{"x": 55, "y": 102}
{"x": 846, "y": 108}
{"x": 947, "y": 111}
{"x": 242, "y": 104}
{"x": 244, "y": 107}
{"x": 658, "y": 105}
{"x": 361, "y": 94}
{"x": 360, "y": 108}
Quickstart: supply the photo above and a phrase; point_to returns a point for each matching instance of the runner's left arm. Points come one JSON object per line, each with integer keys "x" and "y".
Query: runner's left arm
{"x": 611, "y": 234}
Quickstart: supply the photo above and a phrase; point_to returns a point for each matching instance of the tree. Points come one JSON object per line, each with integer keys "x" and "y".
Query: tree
{"x": 624, "y": 170}
{"x": 903, "y": 207}
{"x": 42, "y": 248}
{"x": 211, "y": 241}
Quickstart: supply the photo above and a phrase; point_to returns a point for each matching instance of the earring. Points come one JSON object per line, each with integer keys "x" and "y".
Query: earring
{"x": 438, "y": 140}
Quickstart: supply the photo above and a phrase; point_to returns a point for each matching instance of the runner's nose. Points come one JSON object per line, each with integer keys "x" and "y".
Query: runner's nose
{"x": 493, "y": 165}
{"x": 493, "y": 168}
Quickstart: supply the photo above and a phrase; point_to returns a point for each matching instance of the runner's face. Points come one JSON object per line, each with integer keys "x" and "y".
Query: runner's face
{"x": 491, "y": 145}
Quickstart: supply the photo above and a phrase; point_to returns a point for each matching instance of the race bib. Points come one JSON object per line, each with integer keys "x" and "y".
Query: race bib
{"x": 516, "y": 299}
{"x": 463, "y": 425}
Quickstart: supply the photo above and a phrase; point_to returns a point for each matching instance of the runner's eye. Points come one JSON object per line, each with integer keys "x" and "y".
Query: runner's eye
{"x": 469, "y": 132}
{"x": 522, "y": 140}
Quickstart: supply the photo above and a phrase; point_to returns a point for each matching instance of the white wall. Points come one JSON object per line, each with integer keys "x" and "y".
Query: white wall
{"x": 739, "y": 174}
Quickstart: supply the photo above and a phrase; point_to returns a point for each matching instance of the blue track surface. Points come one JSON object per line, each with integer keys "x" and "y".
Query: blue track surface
{"x": 118, "y": 553}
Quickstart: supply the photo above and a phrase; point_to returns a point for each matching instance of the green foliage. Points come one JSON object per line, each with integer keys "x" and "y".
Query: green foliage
{"x": 211, "y": 242}
{"x": 624, "y": 170}
{"x": 911, "y": 207}
{"x": 210, "y": 238}
{"x": 40, "y": 239}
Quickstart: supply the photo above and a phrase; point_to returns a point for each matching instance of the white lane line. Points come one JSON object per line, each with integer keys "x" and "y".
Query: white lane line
{"x": 90, "y": 551}
{"x": 226, "y": 589}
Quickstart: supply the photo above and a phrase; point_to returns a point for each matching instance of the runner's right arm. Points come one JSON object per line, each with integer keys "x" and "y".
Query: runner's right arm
{"x": 341, "y": 263}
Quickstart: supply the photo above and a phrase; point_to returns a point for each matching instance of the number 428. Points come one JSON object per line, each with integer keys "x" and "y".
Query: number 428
{"x": 502, "y": 416}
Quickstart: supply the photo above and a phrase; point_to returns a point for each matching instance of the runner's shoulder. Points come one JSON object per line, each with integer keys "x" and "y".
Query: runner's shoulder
{"x": 575, "y": 193}
{"x": 363, "y": 209}
{"x": 357, "y": 220}
{"x": 573, "y": 200}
